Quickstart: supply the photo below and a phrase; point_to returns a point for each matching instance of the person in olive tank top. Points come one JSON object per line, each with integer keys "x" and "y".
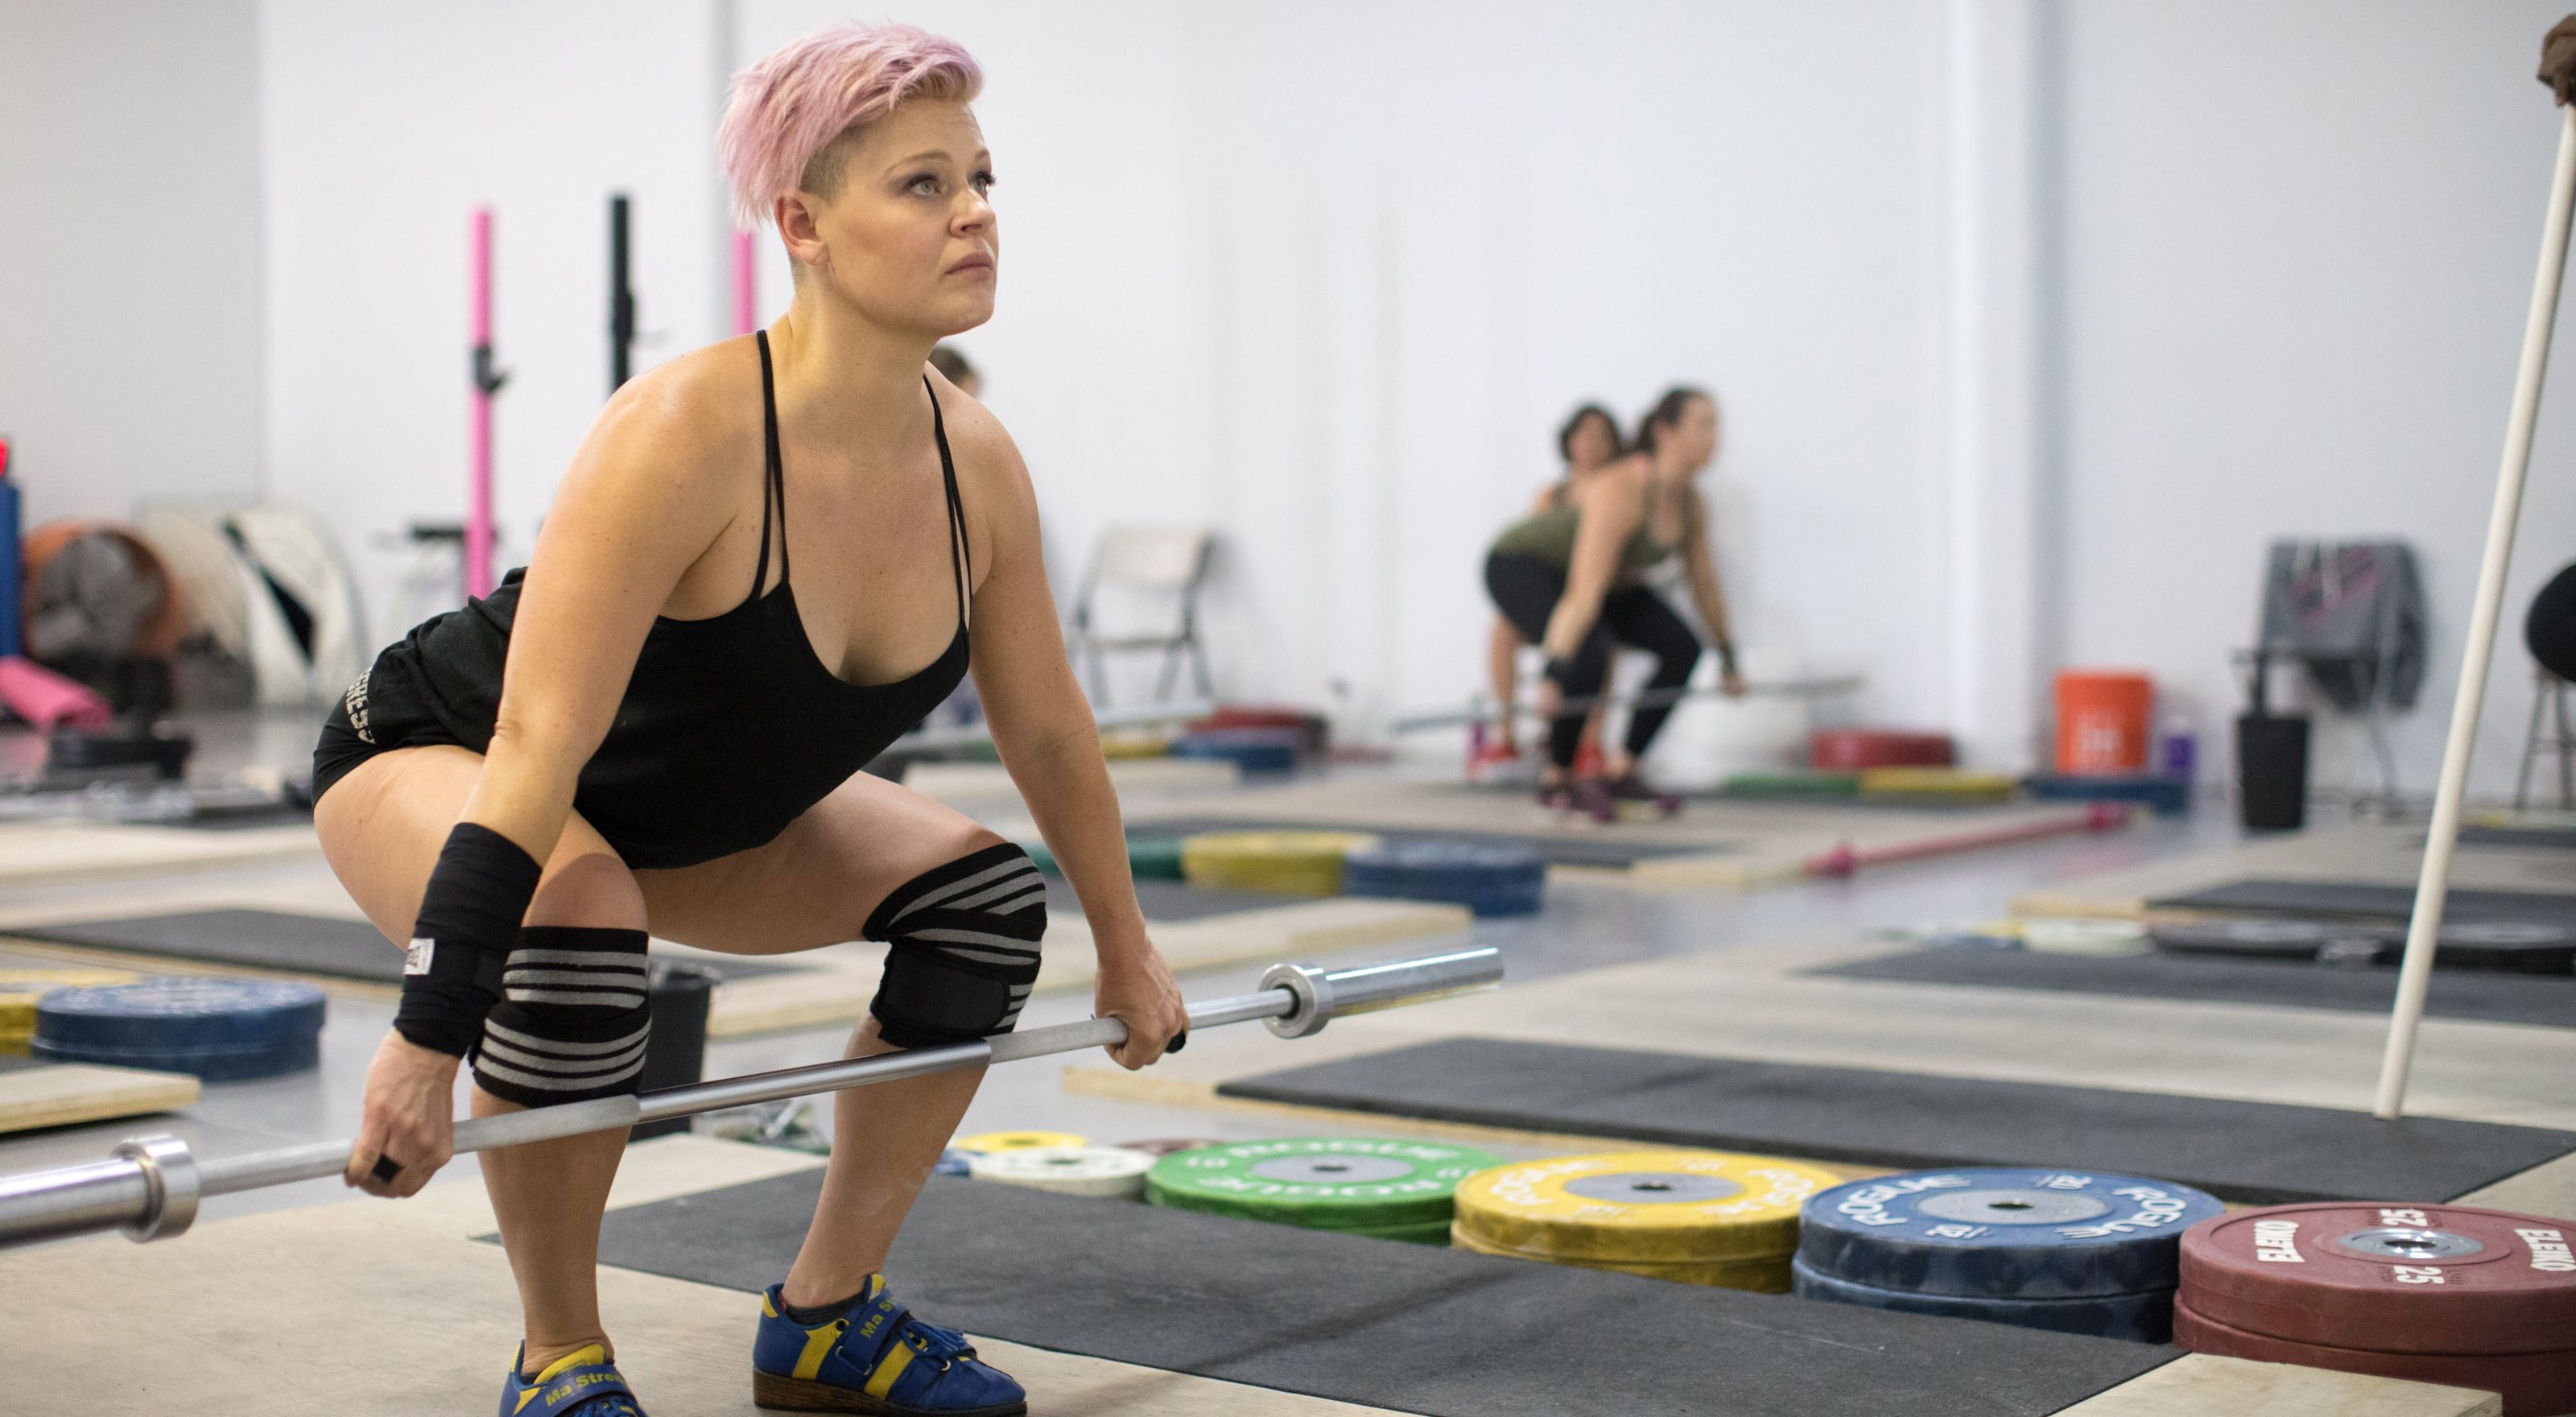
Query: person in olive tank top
{"x": 1589, "y": 442}
{"x": 769, "y": 558}
{"x": 1568, "y": 578}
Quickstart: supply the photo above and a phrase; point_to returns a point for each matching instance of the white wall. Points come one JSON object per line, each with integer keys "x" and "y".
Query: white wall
{"x": 130, "y": 314}
{"x": 2033, "y": 320}
{"x": 2297, "y": 247}
{"x": 1328, "y": 277}
{"x": 383, "y": 127}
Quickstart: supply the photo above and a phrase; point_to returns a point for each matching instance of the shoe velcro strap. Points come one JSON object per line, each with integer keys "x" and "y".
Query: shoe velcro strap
{"x": 566, "y": 1391}
{"x": 872, "y": 1328}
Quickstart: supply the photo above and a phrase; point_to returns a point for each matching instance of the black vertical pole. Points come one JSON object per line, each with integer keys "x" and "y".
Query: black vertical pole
{"x": 621, "y": 297}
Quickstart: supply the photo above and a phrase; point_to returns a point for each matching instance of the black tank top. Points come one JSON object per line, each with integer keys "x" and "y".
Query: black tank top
{"x": 730, "y": 727}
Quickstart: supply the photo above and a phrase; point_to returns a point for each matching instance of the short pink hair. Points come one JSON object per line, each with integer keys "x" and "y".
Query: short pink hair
{"x": 789, "y": 107}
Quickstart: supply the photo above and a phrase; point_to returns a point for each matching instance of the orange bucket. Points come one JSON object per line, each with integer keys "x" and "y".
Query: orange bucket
{"x": 2104, "y": 718}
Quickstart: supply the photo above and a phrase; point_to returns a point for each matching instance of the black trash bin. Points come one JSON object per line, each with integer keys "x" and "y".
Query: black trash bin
{"x": 2272, "y": 771}
{"x": 676, "y": 1054}
{"x": 2271, "y": 755}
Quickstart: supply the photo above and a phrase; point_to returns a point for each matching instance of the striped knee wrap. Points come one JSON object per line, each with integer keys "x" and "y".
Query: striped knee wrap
{"x": 964, "y": 953}
{"x": 573, "y": 1018}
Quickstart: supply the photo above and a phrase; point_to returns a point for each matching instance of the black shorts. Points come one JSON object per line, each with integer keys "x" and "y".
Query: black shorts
{"x": 377, "y": 715}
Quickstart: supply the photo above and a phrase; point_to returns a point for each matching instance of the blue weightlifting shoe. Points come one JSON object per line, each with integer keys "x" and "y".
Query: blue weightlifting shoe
{"x": 580, "y": 1384}
{"x": 874, "y": 1357}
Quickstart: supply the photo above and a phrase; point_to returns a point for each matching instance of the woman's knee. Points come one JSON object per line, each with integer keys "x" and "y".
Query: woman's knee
{"x": 1673, "y": 667}
{"x": 963, "y": 946}
{"x": 586, "y": 884}
{"x": 1583, "y": 675}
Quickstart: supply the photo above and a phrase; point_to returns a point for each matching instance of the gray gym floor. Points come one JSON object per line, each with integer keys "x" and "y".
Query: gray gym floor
{"x": 1583, "y": 926}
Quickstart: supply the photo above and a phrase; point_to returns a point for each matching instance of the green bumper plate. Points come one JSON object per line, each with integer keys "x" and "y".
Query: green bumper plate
{"x": 1360, "y": 1185}
{"x": 1793, "y": 784}
{"x": 1149, "y": 858}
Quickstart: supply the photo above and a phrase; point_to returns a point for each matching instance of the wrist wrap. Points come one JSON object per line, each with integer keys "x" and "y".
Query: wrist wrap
{"x": 469, "y": 918}
{"x": 1726, "y": 656}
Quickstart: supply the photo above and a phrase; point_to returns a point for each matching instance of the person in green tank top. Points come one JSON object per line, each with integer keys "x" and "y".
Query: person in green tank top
{"x": 1570, "y": 579}
{"x": 1589, "y": 441}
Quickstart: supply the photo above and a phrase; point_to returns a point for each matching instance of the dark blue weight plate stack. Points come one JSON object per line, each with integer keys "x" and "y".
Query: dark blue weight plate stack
{"x": 2302, "y": 940}
{"x": 953, "y": 1162}
{"x": 219, "y": 1029}
{"x": 1489, "y": 880}
{"x": 1252, "y": 749}
{"x": 2071, "y": 1251}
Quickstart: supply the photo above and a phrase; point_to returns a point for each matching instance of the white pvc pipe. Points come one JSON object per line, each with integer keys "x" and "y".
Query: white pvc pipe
{"x": 2434, "y": 884}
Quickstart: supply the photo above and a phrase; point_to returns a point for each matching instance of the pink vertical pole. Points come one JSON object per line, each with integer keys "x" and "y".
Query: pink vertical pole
{"x": 487, "y": 382}
{"x": 746, "y": 285}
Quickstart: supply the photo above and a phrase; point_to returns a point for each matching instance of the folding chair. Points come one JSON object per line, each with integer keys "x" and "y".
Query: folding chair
{"x": 1155, "y": 561}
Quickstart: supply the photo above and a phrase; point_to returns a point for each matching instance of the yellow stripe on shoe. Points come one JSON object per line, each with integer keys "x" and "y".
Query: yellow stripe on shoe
{"x": 898, "y": 1357}
{"x": 818, "y": 1346}
{"x": 587, "y": 1353}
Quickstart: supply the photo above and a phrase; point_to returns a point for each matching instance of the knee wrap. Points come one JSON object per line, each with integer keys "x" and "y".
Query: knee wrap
{"x": 964, "y": 953}
{"x": 573, "y": 1018}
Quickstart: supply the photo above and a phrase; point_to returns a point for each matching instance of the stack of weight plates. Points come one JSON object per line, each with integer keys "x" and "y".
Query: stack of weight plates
{"x": 1107, "y": 1172}
{"x": 1488, "y": 880}
{"x": 1251, "y": 749}
{"x": 1792, "y": 784}
{"x": 1860, "y": 749}
{"x": 1313, "y": 731}
{"x": 955, "y": 1161}
{"x": 2481, "y": 1299}
{"x": 2511, "y": 946}
{"x": 2306, "y": 941}
{"x": 1383, "y": 1188}
{"x": 1165, "y": 1146}
{"x": 1149, "y": 858}
{"x": 1287, "y": 863}
{"x": 21, "y": 988}
{"x": 2075, "y": 1252}
{"x": 2084, "y": 937}
{"x": 1135, "y": 743}
{"x": 986, "y": 1143}
{"x": 219, "y": 1029}
{"x": 1696, "y": 1217}
{"x": 1934, "y": 784}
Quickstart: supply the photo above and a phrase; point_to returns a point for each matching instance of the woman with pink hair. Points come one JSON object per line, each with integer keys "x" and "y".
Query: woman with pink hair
{"x": 657, "y": 728}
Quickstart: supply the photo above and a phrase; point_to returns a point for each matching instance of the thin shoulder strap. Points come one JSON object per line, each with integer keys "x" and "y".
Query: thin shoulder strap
{"x": 961, "y": 559}
{"x": 773, "y": 482}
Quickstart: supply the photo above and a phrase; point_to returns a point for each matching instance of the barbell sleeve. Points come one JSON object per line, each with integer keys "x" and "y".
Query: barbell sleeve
{"x": 151, "y": 1187}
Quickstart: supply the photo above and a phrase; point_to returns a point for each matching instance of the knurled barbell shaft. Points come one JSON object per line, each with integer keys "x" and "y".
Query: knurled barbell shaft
{"x": 152, "y": 1199}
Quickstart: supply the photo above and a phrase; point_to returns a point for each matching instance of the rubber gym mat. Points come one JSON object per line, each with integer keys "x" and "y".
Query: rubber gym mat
{"x": 2493, "y": 998}
{"x": 2357, "y": 900}
{"x": 225, "y": 819}
{"x": 2260, "y": 1153}
{"x": 1169, "y": 900}
{"x": 2520, "y": 838}
{"x": 1378, "y": 1322}
{"x": 271, "y": 939}
{"x": 1559, "y": 850}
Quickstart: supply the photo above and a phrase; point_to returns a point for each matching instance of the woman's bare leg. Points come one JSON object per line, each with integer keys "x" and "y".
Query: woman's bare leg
{"x": 381, "y": 828}
{"x": 1503, "y": 667}
{"x": 816, "y": 885}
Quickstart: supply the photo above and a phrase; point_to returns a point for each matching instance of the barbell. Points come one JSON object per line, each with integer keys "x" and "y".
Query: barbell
{"x": 1483, "y": 710}
{"x": 150, "y": 1186}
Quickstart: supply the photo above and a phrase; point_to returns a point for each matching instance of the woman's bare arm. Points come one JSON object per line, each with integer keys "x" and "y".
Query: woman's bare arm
{"x": 1700, "y": 558}
{"x": 1048, "y": 741}
{"x": 1611, "y": 507}
{"x": 643, "y": 500}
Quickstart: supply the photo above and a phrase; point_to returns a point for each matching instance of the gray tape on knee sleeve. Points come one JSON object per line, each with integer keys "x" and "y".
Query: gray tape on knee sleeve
{"x": 573, "y": 1023}
{"x": 964, "y": 941}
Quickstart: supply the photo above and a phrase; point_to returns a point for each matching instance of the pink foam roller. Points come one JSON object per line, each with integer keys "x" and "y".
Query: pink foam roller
{"x": 48, "y": 700}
